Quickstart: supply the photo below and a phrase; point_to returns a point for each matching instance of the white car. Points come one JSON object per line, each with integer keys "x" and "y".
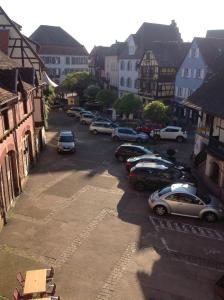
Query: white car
{"x": 102, "y": 127}
{"x": 169, "y": 132}
{"x": 86, "y": 118}
{"x": 66, "y": 141}
{"x": 74, "y": 111}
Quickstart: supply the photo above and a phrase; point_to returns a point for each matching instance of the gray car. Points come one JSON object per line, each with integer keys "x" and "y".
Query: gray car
{"x": 66, "y": 142}
{"x": 184, "y": 199}
{"x": 129, "y": 134}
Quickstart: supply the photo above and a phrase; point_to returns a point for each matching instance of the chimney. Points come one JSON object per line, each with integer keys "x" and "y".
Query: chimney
{"x": 4, "y": 40}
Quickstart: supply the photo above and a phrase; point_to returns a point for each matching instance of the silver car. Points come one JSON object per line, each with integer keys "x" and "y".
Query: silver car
{"x": 183, "y": 199}
{"x": 66, "y": 142}
{"x": 102, "y": 127}
{"x": 86, "y": 118}
{"x": 129, "y": 134}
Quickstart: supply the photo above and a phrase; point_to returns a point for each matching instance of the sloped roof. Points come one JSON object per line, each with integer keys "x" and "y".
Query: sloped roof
{"x": 115, "y": 49}
{"x": 99, "y": 50}
{"x": 211, "y": 49}
{"x": 169, "y": 54}
{"x": 6, "y": 95}
{"x": 6, "y": 63}
{"x": 219, "y": 34}
{"x": 151, "y": 32}
{"x": 46, "y": 35}
{"x": 209, "y": 97}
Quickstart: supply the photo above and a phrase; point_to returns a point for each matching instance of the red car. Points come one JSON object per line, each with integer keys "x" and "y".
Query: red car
{"x": 147, "y": 128}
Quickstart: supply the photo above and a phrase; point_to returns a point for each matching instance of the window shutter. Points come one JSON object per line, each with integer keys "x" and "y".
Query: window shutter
{"x": 202, "y": 73}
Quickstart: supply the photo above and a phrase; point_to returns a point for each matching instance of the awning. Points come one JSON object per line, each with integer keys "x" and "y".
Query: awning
{"x": 47, "y": 79}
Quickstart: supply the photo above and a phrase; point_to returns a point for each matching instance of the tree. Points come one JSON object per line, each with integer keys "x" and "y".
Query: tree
{"x": 77, "y": 82}
{"x": 156, "y": 111}
{"x": 49, "y": 96}
{"x": 92, "y": 90}
{"x": 128, "y": 104}
{"x": 106, "y": 98}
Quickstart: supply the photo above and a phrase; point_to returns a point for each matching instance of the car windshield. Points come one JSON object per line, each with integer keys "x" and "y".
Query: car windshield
{"x": 66, "y": 139}
{"x": 164, "y": 191}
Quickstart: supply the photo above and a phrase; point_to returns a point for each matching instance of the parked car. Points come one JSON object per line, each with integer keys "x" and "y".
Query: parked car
{"x": 86, "y": 118}
{"x": 184, "y": 199}
{"x": 147, "y": 175}
{"x": 86, "y": 112}
{"x": 74, "y": 111}
{"x": 132, "y": 161}
{"x": 169, "y": 132}
{"x": 125, "y": 151}
{"x": 66, "y": 141}
{"x": 101, "y": 127}
{"x": 129, "y": 134}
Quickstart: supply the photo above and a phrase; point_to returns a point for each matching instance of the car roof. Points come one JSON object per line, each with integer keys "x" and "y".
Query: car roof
{"x": 101, "y": 122}
{"x": 183, "y": 188}
{"x": 145, "y": 156}
{"x": 66, "y": 132}
{"x": 125, "y": 128}
{"x": 174, "y": 127}
{"x": 151, "y": 165}
{"x": 133, "y": 145}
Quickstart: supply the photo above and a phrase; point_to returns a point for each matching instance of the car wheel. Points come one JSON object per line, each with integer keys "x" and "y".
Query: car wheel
{"x": 121, "y": 158}
{"x": 210, "y": 217}
{"x": 156, "y": 137}
{"x": 139, "y": 186}
{"x": 160, "y": 210}
{"x": 116, "y": 138}
{"x": 95, "y": 131}
{"x": 180, "y": 139}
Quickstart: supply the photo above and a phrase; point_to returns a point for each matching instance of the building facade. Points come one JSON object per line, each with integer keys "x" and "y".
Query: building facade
{"x": 197, "y": 66}
{"x": 22, "y": 134}
{"x": 112, "y": 65}
{"x": 209, "y": 139}
{"x": 157, "y": 70}
{"x": 60, "y": 52}
{"x": 134, "y": 49}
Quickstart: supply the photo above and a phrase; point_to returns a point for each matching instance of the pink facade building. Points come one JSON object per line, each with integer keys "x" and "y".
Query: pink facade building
{"x": 22, "y": 134}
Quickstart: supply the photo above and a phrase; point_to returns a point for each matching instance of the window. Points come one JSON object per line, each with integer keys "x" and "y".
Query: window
{"x": 129, "y": 82}
{"x": 67, "y": 60}
{"x": 187, "y": 72}
{"x": 129, "y": 66}
{"x": 122, "y": 81}
{"x": 25, "y": 109}
{"x": 54, "y": 60}
{"x": 122, "y": 66}
{"x": 5, "y": 118}
{"x": 200, "y": 73}
{"x": 180, "y": 92}
{"x": 136, "y": 66}
{"x": 54, "y": 72}
{"x": 136, "y": 83}
{"x": 189, "y": 53}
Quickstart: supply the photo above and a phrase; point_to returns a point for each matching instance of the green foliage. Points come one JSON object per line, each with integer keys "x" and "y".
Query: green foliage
{"x": 128, "y": 103}
{"x": 49, "y": 96}
{"x": 91, "y": 91}
{"x": 157, "y": 112}
{"x": 77, "y": 82}
{"x": 106, "y": 98}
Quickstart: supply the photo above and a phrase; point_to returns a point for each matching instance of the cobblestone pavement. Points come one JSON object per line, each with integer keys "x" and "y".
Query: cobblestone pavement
{"x": 79, "y": 215}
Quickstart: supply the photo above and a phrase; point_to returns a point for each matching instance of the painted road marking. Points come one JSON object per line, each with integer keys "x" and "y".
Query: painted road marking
{"x": 166, "y": 224}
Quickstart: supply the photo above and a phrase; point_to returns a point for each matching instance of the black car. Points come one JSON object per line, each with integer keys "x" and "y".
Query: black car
{"x": 132, "y": 161}
{"x": 128, "y": 150}
{"x": 153, "y": 176}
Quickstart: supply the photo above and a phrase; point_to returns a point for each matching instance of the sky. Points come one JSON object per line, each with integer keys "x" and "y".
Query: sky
{"x": 102, "y": 22}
